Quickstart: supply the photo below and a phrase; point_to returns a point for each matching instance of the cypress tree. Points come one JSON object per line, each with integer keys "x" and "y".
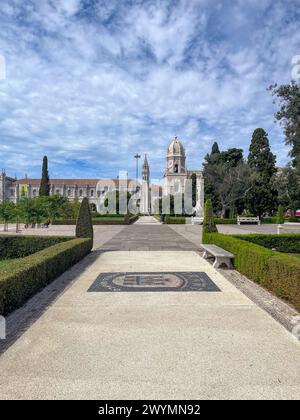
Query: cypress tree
{"x": 260, "y": 156}
{"x": 280, "y": 215}
{"x": 194, "y": 189}
{"x": 84, "y": 225}
{"x": 263, "y": 197}
{"x": 45, "y": 185}
{"x": 209, "y": 225}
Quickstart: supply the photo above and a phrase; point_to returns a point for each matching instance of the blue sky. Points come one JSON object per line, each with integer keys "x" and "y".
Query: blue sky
{"x": 90, "y": 82}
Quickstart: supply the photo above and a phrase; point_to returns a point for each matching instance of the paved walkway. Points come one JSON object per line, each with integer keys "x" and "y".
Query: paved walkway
{"x": 147, "y": 220}
{"x": 124, "y": 345}
{"x": 148, "y": 238}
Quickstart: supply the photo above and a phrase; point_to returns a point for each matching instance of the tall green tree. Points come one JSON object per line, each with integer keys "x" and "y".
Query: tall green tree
{"x": 194, "y": 189}
{"x": 288, "y": 116}
{"x": 7, "y": 212}
{"x": 45, "y": 184}
{"x": 210, "y": 160}
{"x": 262, "y": 198}
{"x": 232, "y": 157}
{"x": 226, "y": 180}
{"x": 288, "y": 187}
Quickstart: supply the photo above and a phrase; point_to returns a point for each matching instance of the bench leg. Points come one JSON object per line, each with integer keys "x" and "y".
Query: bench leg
{"x": 205, "y": 255}
{"x": 222, "y": 260}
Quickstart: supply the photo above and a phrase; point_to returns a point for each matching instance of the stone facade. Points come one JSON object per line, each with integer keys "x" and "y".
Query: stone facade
{"x": 176, "y": 175}
{"x": 174, "y": 181}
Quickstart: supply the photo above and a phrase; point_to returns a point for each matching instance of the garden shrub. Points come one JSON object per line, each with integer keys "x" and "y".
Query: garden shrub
{"x": 174, "y": 220}
{"x": 21, "y": 246}
{"x": 278, "y": 272}
{"x": 22, "y": 278}
{"x": 84, "y": 225}
{"x": 288, "y": 243}
{"x": 209, "y": 225}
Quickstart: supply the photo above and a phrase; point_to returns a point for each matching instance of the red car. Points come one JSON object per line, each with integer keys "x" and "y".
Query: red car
{"x": 289, "y": 213}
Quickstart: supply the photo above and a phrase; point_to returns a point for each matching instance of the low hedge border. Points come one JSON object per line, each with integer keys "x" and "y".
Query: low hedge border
{"x": 174, "y": 220}
{"x": 20, "y": 246}
{"x": 280, "y": 273}
{"x": 26, "y": 276}
{"x": 105, "y": 221}
{"x": 233, "y": 221}
{"x": 287, "y": 243}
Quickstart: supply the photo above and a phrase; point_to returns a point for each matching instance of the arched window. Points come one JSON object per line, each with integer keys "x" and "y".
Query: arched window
{"x": 176, "y": 168}
{"x": 80, "y": 193}
{"x": 69, "y": 192}
{"x": 92, "y": 193}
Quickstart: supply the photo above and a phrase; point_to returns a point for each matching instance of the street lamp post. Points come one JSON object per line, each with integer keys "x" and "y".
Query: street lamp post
{"x": 137, "y": 157}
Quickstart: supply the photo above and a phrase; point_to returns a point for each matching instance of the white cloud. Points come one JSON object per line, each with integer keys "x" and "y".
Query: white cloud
{"x": 92, "y": 86}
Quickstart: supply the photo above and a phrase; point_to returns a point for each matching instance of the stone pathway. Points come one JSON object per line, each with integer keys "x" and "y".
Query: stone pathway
{"x": 148, "y": 238}
{"x": 205, "y": 344}
{"x": 147, "y": 220}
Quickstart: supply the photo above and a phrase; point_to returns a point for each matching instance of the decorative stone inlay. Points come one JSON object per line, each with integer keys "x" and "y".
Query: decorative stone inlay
{"x": 154, "y": 282}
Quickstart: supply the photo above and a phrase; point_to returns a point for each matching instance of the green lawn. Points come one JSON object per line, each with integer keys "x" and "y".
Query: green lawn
{"x": 295, "y": 255}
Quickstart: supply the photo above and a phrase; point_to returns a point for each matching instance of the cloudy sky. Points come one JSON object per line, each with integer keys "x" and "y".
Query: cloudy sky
{"x": 92, "y": 82}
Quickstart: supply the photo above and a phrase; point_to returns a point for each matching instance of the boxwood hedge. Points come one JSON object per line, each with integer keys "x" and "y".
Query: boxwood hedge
{"x": 280, "y": 273}
{"x": 23, "y": 277}
{"x": 21, "y": 246}
{"x": 289, "y": 243}
{"x": 174, "y": 220}
{"x": 101, "y": 221}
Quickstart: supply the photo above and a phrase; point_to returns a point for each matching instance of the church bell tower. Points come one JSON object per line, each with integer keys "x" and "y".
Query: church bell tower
{"x": 145, "y": 195}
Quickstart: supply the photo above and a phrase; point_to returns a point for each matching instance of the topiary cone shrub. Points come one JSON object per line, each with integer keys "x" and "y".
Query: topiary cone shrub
{"x": 84, "y": 225}
{"x": 280, "y": 215}
{"x": 209, "y": 225}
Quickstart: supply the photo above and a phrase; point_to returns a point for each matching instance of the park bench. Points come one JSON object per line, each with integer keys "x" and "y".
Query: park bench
{"x": 221, "y": 255}
{"x": 242, "y": 219}
{"x": 197, "y": 220}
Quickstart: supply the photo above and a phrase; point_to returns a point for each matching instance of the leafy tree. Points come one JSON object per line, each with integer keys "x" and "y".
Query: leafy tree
{"x": 7, "y": 212}
{"x": 289, "y": 117}
{"x": 45, "y": 185}
{"x": 231, "y": 185}
{"x": 209, "y": 225}
{"x": 231, "y": 157}
{"x": 262, "y": 197}
{"x": 32, "y": 210}
{"x": 84, "y": 225}
{"x": 288, "y": 187}
{"x": 53, "y": 206}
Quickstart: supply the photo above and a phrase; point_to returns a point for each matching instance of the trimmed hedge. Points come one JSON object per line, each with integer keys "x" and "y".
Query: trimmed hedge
{"x": 233, "y": 221}
{"x": 105, "y": 221}
{"x": 21, "y": 246}
{"x": 288, "y": 243}
{"x": 280, "y": 273}
{"x": 174, "y": 220}
{"x": 22, "y": 278}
